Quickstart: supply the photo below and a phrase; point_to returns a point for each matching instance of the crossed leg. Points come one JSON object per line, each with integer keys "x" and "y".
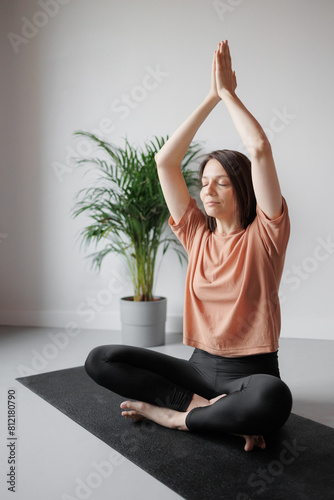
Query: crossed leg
{"x": 139, "y": 410}
{"x": 255, "y": 404}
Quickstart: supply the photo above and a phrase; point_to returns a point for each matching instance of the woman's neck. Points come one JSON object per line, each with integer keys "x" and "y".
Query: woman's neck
{"x": 226, "y": 227}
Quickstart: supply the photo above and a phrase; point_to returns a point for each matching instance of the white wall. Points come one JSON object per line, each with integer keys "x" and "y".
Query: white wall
{"x": 69, "y": 73}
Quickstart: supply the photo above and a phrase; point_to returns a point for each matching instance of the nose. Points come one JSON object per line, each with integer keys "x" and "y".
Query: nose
{"x": 210, "y": 188}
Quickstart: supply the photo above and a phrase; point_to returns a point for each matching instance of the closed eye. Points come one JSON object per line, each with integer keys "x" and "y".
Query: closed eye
{"x": 223, "y": 184}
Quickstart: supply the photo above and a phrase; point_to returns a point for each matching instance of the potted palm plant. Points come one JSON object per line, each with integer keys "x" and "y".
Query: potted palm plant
{"x": 128, "y": 212}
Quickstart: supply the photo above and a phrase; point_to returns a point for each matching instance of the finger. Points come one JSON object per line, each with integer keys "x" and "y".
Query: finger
{"x": 225, "y": 48}
{"x": 235, "y": 83}
{"x": 218, "y": 60}
{"x": 227, "y": 55}
{"x": 213, "y": 67}
{"x": 221, "y": 50}
{"x": 214, "y": 60}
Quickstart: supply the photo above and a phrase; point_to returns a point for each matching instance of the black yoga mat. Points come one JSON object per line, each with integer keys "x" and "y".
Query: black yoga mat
{"x": 298, "y": 463}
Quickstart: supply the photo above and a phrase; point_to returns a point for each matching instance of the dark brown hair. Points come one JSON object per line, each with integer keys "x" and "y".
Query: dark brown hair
{"x": 238, "y": 168}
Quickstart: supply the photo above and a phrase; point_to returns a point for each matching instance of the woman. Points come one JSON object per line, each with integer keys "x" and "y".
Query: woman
{"x": 236, "y": 250}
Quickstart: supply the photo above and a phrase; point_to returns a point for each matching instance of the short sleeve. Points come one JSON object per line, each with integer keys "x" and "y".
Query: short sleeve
{"x": 274, "y": 233}
{"x": 192, "y": 220}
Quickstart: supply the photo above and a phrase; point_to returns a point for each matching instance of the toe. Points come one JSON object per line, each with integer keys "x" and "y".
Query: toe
{"x": 126, "y": 404}
{"x": 261, "y": 443}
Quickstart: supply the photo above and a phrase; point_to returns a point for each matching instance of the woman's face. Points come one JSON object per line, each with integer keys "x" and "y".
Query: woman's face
{"x": 217, "y": 192}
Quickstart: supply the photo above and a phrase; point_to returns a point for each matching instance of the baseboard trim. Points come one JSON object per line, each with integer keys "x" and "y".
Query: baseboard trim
{"x": 72, "y": 319}
{"x": 303, "y": 328}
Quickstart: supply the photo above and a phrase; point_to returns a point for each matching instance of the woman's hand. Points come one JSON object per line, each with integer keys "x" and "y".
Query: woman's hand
{"x": 225, "y": 77}
{"x": 213, "y": 85}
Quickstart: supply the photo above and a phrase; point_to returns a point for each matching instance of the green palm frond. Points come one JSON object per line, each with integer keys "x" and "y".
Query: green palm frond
{"x": 127, "y": 207}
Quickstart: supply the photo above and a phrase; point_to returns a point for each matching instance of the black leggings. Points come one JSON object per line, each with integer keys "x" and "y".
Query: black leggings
{"x": 257, "y": 401}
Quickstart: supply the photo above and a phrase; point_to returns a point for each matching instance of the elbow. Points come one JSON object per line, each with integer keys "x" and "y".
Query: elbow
{"x": 261, "y": 148}
{"x": 161, "y": 161}
{"x": 157, "y": 159}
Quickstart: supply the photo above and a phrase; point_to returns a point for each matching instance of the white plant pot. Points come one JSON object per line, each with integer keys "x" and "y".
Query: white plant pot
{"x": 143, "y": 323}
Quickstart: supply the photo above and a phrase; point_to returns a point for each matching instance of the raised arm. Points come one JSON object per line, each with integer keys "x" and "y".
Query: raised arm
{"x": 170, "y": 156}
{"x": 265, "y": 181}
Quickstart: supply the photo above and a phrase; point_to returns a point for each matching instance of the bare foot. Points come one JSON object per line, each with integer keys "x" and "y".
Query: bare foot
{"x": 252, "y": 441}
{"x": 172, "y": 419}
{"x": 138, "y": 410}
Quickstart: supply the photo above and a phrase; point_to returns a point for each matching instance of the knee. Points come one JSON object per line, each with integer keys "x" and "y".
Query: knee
{"x": 276, "y": 397}
{"x": 94, "y": 362}
{"x": 273, "y": 400}
{"x": 278, "y": 391}
{"x": 100, "y": 359}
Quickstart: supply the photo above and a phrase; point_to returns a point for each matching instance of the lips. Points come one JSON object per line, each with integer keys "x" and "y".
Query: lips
{"x": 211, "y": 203}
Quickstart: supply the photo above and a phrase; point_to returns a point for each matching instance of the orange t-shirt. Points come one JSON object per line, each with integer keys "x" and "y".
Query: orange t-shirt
{"x": 231, "y": 305}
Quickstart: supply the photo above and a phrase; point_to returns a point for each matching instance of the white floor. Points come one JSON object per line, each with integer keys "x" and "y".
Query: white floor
{"x": 57, "y": 459}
